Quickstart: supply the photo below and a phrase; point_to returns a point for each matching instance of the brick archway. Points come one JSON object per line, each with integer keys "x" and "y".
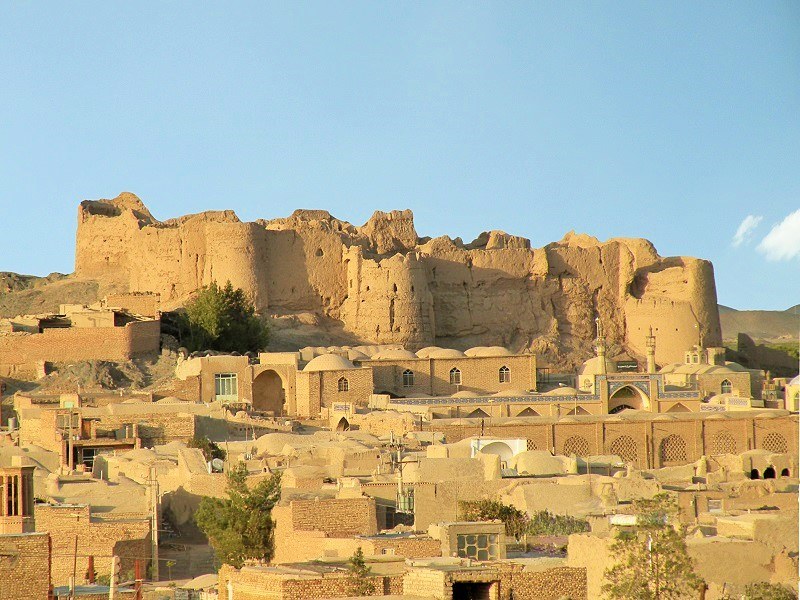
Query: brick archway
{"x": 269, "y": 394}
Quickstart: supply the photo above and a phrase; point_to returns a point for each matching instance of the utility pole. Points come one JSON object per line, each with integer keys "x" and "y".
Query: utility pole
{"x": 112, "y": 584}
{"x": 74, "y": 569}
{"x": 152, "y": 484}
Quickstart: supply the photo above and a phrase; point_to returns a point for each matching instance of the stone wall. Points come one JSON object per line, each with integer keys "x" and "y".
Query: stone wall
{"x": 129, "y": 539}
{"x": 24, "y": 566}
{"x": 385, "y": 285}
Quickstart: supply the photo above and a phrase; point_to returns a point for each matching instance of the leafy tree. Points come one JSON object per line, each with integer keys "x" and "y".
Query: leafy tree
{"x": 222, "y": 318}
{"x": 360, "y": 582}
{"x": 240, "y": 526}
{"x": 652, "y": 560}
{"x": 210, "y": 449}
{"x": 768, "y": 591}
{"x": 544, "y": 523}
{"x": 515, "y": 520}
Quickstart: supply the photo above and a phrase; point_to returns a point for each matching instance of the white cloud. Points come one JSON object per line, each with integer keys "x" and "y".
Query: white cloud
{"x": 783, "y": 240}
{"x": 746, "y": 228}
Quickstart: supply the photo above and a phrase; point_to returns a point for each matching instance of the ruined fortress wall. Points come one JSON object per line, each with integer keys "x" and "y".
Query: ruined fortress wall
{"x": 386, "y": 286}
{"x": 20, "y": 353}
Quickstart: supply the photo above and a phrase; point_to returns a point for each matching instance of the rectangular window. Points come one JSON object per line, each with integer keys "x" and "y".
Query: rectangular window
{"x": 481, "y": 546}
{"x": 226, "y": 387}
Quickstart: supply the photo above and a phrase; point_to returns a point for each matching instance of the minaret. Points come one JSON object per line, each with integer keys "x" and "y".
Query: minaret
{"x": 650, "y": 342}
{"x": 600, "y": 346}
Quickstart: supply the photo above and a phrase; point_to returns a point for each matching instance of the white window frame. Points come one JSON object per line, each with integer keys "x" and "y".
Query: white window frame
{"x": 226, "y": 386}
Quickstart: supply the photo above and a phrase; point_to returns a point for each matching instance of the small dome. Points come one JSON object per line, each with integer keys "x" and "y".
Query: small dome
{"x": 562, "y": 391}
{"x": 511, "y": 392}
{"x": 394, "y": 355}
{"x": 795, "y": 381}
{"x": 592, "y": 367}
{"x": 487, "y": 351}
{"x": 356, "y": 355}
{"x": 446, "y": 353}
{"x": 465, "y": 394}
{"x": 426, "y": 351}
{"x": 736, "y": 367}
{"x": 329, "y": 362}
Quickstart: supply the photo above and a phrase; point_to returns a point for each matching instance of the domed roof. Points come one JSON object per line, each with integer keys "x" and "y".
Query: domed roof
{"x": 329, "y": 362}
{"x": 511, "y": 392}
{"x": 562, "y": 391}
{"x": 795, "y": 381}
{"x": 356, "y": 355}
{"x": 592, "y": 367}
{"x": 488, "y": 351}
{"x": 465, "y": 394}
{"x": 426, "y": 351}
{"x": 394, "y": 355}
{"x": 446, "y": 353}
{"x": 735, "y": 367}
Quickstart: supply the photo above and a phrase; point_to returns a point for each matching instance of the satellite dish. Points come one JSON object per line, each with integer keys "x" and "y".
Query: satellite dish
{"x": 217, "y": 466}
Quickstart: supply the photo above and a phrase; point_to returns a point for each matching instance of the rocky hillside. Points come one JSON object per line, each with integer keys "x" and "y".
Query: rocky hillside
{"x": 764, "y": 325}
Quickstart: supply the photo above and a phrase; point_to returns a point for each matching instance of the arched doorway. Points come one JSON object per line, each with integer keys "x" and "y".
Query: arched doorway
{"x": 769, "y": 473}
{"x": 268, "y": 393}
{"x": 785, "y": 473}
{"x": 343, "y": 425}
{"x": 628, "y": 397}
{"x": 754, "y": 474}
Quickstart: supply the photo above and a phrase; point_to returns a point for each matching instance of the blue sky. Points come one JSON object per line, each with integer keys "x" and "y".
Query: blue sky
{"x": 673, "y": 121}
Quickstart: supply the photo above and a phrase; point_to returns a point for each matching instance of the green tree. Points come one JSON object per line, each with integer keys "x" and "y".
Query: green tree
{"x": 515, "y": 520}
{"x": 768, "y": 591}
{"x": 544, "y": 523}
{"x": 360, "y": 575}
{"x": 210, "y": 449}
{"x": 240, "y": 526}
{"x": 652, "y": 560}
{"x": 222, "y": 318}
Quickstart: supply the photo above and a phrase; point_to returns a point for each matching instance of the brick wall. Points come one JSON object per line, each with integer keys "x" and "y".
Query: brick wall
{"x": 549, "y": 584}
{"x": 21, "y": 352}
{"x": 432, "y": 376}
{"x": 155, "y": 428}
{"x": 656, "y": 442}
{"x": 24, "y": 566}
{"x": 337, "y": 517}
{"x": 256, "y": 584}
{"x": 129, "y": 539}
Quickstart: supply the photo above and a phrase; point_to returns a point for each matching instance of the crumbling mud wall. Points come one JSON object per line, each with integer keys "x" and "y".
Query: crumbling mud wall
{"x": 386, "y": 285}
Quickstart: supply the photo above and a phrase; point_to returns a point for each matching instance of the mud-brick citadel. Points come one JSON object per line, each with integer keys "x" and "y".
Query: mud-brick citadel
{"x": 404, "y": 376}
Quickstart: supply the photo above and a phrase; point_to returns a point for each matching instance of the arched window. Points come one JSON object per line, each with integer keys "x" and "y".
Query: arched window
{"x": 408, "y": 378}
{"x": 455, "y": 376}
{"x": 726, "y": 387}
{"x": 505, "y": 374}
{"x": 344, "y": 385}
